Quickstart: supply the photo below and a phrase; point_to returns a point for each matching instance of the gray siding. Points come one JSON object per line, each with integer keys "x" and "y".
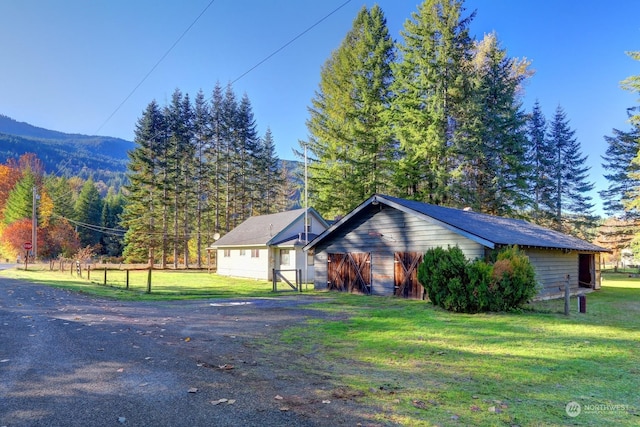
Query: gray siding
{"x": 382, "y": 231}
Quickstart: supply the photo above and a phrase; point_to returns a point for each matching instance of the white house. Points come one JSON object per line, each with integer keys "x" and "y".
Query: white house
{"x": 267, "y": 242}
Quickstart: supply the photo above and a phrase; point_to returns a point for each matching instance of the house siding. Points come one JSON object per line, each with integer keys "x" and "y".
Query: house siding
{"x": 237, "y": 265}
{"x": 552, "y": 268}
{"x": 382, "y": 231}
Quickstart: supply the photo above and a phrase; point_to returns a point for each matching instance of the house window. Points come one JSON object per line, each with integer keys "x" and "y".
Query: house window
{"x": 309, "y": 258}
{"x": 285, "y": 258}
{"x": 227, "y": 253}
{"x": 309, "y": 222}
{"x": 255, "y": 253}
{"x": 243, "y": 252}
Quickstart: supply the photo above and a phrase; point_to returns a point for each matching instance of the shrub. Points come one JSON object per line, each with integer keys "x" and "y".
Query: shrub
{"x": 513, "y": 280}
{"x": 443, "y": 275}
{"x": 456, "y": 284}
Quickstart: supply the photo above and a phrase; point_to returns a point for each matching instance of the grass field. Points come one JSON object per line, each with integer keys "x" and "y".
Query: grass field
{"x": 425, "y": 366}
{"x": 165, "y": 284}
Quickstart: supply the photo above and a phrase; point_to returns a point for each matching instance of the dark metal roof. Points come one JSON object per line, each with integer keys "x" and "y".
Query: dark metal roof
{"x": 264, "y": 230}
{"x": 489, "y": 230}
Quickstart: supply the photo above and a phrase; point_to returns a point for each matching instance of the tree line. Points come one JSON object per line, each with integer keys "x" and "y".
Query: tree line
{"x": 198, "y": 170}
{"x": 438, "y": 117}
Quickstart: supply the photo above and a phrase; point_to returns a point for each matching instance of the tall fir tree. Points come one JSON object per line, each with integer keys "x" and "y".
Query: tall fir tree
{"x": 540, "y": 157}
{"x": 490, "y": 141}
{"x": 202, "y": 174}
{"x": 143, "y": 238}
{"x": 350, "y": 146}
{"x": 88, "y": 212}
{"x": 19, "y": 203}
{"x": 431, "y": 90}
{"x": 572, "y": 205}
{"x": 623, "y": 174}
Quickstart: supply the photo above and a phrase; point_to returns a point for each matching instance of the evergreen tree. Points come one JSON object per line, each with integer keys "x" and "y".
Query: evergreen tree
{"x": 203, "y": 170}
{"x": 572, "y": 205}
{"x": 20, "y": 201}
{"x": 112, "y": 240}
{"x": 88, "y": 212}
{"x": 431, "y": 90}
{"x": 350, "y": 146}
{"x": 61, "y": 192}
{"x": 623, "y": 173}
{"x": 540, "y": 157}
{"x": 491, "y": 140}
{"x": 247, "y": 147}
{"x": 216, "y": 158}
{"x": 270, "y": 184}
{"x": 144, "y": 233}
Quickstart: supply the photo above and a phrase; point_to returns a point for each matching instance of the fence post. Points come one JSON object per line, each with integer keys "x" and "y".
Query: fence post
{"x": 566, "y": 296}
{"x": 299, "y": 282}
{"x": 127, "y": 279}
{"x": 273, "y": 278}
{"x": 89, "y": 272}
{"x": 149, "y": 281}
{"x": 105, "y": 276}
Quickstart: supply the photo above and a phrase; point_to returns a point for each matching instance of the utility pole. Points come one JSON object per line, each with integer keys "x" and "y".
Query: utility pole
{"x": 34, "y": 223}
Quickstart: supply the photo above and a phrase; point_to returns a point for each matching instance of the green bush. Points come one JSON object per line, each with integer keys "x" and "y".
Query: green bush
{"x": 443, "y": 275}
{"x": 513, "y": 280}
{"x": 455, "y": 284}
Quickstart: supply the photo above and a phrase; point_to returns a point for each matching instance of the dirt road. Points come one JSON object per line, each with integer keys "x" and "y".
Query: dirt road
{"x": 67, "y": 359}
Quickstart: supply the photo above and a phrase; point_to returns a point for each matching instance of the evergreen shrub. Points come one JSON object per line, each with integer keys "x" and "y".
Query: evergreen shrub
{"x": 455, "y": 284}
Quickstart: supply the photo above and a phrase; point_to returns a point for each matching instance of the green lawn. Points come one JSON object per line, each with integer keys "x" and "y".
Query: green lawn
{"x": 165, "y": 284}
{"x": 425, "y": 366}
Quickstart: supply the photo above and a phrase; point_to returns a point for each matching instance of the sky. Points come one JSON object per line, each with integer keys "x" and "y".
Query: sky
{"x": 92, "y": 67}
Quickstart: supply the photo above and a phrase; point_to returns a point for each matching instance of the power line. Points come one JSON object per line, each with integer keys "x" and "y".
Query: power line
{"x": 275, "y": 52}
{"x": 155, "y": 66}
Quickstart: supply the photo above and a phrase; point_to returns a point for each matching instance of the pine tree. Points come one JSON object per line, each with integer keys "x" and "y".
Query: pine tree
{"x": 350, "y": 147}
{"x": 540, "y": 157}
{"x": 88, "y": 212}
{"x": 572, "y": 205}
{"x": 623, "y": 173}
{"x": 431, "y": 89}
{"x": 270, "y": 184}
{"x": 216, "y": 158}
{"x": 112, "y": 240}
{"x": 491, "y": 141}
{"x": 144, "y": 235}
{"x": 19, "y": 203}
{"x": 202, "y": 172}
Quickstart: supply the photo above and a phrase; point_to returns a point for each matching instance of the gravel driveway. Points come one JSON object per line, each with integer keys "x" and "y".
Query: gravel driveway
{"x": 68, "y": 359}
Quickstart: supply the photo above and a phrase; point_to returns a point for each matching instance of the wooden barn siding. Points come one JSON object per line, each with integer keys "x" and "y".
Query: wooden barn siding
{"x": 382, "y": 232}
{"x": 552, "y": 267}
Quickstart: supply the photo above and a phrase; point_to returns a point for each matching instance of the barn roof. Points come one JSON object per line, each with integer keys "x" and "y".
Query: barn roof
{"x": 491, "y": 231}
{"x": 265, "y": 230}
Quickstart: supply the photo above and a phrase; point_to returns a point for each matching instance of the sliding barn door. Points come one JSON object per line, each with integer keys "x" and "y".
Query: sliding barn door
{"x": 406, "y": 275}
{"x": 350, "y": 272}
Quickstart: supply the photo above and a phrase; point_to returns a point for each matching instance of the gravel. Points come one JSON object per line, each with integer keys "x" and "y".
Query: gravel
{"x": 68, "y": 359}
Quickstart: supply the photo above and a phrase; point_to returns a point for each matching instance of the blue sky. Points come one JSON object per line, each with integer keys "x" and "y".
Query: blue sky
{"x": 67, "y": 65}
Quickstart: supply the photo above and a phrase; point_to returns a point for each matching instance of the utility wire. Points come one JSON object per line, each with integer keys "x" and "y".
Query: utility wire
{"x": 155, "y": 66}
{"x": 275, "y": 52}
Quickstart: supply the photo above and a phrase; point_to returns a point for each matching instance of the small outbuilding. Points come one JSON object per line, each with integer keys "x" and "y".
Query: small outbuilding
{"x": 377, "y": 247}
{"x": 263, "y": 243}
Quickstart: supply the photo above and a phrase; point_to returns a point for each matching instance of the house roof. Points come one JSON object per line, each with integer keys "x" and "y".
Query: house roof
{"x": 266, "y": 230}
{"x": 488, "y": 230}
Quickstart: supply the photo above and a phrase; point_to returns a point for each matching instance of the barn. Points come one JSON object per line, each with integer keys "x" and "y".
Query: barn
{"x": 376, "y": 248}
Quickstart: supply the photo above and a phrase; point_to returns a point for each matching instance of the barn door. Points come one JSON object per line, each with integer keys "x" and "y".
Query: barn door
{"x": 406, "y": 275}
{"x": 349, "y": 272}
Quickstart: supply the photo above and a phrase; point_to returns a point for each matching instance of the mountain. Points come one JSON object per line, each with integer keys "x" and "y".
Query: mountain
{"x": 102, "y": 157}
